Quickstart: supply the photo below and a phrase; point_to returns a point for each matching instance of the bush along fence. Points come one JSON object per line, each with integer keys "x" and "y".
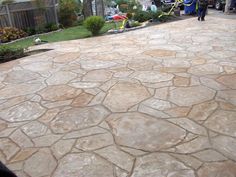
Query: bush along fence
{"x": 30, "y": 14}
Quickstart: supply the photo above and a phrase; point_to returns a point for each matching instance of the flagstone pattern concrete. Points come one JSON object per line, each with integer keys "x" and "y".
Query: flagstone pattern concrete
{"x": 160, "y": 101}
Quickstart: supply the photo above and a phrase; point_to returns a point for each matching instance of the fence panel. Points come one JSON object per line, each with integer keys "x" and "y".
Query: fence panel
{"x": 28, "y": 15}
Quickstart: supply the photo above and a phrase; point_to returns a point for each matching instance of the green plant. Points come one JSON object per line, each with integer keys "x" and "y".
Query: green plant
{"x": 30, "y": 31}
{"x": 135, "y": 24}
{"x": 129, "y": 15}
{"x": 51, "y": 27}
{"x": 9, "y": 53}
{"x": 8, "y": 34}
{"x": 142, "y": 16}
{"x": 67, "y": 11}
{"x": 94, "y": 24}
{"x": 156, "y": 15}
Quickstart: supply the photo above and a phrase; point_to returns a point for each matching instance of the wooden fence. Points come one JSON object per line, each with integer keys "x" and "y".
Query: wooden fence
{"x": 29, "y": 14}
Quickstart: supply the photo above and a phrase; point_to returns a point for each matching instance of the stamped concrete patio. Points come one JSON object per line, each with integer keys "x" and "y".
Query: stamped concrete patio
{"x": 156, "y": 102}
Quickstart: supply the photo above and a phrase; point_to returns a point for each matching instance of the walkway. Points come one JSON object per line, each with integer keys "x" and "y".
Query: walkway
{"x": 155, "y": 102}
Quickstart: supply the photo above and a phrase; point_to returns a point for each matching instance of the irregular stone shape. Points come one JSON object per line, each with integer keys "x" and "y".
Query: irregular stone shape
{"x": 177, "y": 62}
{"x": 160, "y": 165}
{"x": 82, "y": 100}
{"x": 56, "y": 104}
{"x": 62, "y": 147}
{"x": 120, "y": 173}
{"x": 23, "y": 154}
{"x": 157, "y": 104}
{"x": 141, "y": 64}
{"x": 8, "y": 148}
{"x": 85, "y": 133}
{"x": 96, "y": 64}
{"x": 226, "y": 145}
{"x": 161, "y": 93}
{"x": 67, "y": 57}
{"x": 46, "y": 140}
{"x": 98, "y": 98}
{"x": 40, "y": 164}
{"x": 143, "y": 132}
{"x": 228, "y": 80}
{"x": 188, "y": 160}
{"x": 209, "y": 156}
{"x": 13, "y": 101}
{"x": 211, "y": 83}
{"x": 94, "y": 142}
{"x": 202, "y": 111}
{"x": 160, "y": 53}
{"x": 152, "y": 112}
{"x": 22, "y": 112}
{"x": 181, "y": 81}
{"x": 21, "y": 139}
{"x": 34, "y": 129}
{"x": 227, "y": 96}
{"x": 188, "y": 96}
{"x": 178, "y": 111}
{"x": 224, "y": 169}
{"x": 78, "y": 118}
{"x": 38, "y": 66}
{"x": 189, "y": 125}
{"x": 21, "y": 76}
{"x": 172, "y": 69}
{"x": 83, "y": 164}
{"x": 194, "y": 145}
{"x": 134, "y": 152}
{"x": 222, "y": 122}
{"x": 62, "y": 77}
{"x": 206, "y": 69}
{"x": 227, "y": 106}
{"x": 59, "y": 93}
{"x": 84, "y": 85}
{"x": 49, "y": 115}
{"x": 118, "y": 157}
{"x": 97, "y": 76}
{"x": 130, "y": 92}
{"x": 151, "y": 76}
{"x": 15, "y": 90}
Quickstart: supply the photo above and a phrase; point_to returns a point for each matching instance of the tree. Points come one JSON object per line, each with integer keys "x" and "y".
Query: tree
{"x": 99, "y": 8}
{"x": 227, "y": 4}
{"x": 87, "y": 8}
{"x": 67, "y": 13}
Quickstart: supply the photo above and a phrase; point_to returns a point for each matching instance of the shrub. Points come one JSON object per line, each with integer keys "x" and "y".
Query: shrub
{"x": 142, "y": 16}
{"x": 156, "y": 15}
{"x": 129, "y": 15}
{"x": 30, "y": 31}
{"x": 51, "y": 27}
{"x": 67, "y": 11}
{"x": 9, "y": 53}
{"x": 8, "y": 34}
{"x": 94, "y": 24}
{"x": 135, "y": 24}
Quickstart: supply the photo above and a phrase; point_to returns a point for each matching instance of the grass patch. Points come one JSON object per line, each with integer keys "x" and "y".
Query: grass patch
{"x": 72, "y": 33}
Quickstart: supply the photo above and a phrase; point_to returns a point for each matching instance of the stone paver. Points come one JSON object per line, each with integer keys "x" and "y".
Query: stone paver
{"x": 155, "y": 102}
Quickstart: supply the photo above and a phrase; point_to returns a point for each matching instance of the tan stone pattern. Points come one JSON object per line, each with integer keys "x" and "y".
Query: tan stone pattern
{"x": 155, "y": 102}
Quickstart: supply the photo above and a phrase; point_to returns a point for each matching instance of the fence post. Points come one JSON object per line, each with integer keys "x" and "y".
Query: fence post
{"x": 9, "y": 15}
{"x": 55, "y": 11}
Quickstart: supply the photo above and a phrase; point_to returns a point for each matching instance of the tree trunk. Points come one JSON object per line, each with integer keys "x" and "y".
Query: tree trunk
{"x": 99, "y": 7}
{"x": 87, "y": 8}
{"x": 227, "y": 4}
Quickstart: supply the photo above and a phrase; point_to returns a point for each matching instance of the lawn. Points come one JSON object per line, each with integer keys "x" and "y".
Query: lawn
{"x": 76, "y": 32}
